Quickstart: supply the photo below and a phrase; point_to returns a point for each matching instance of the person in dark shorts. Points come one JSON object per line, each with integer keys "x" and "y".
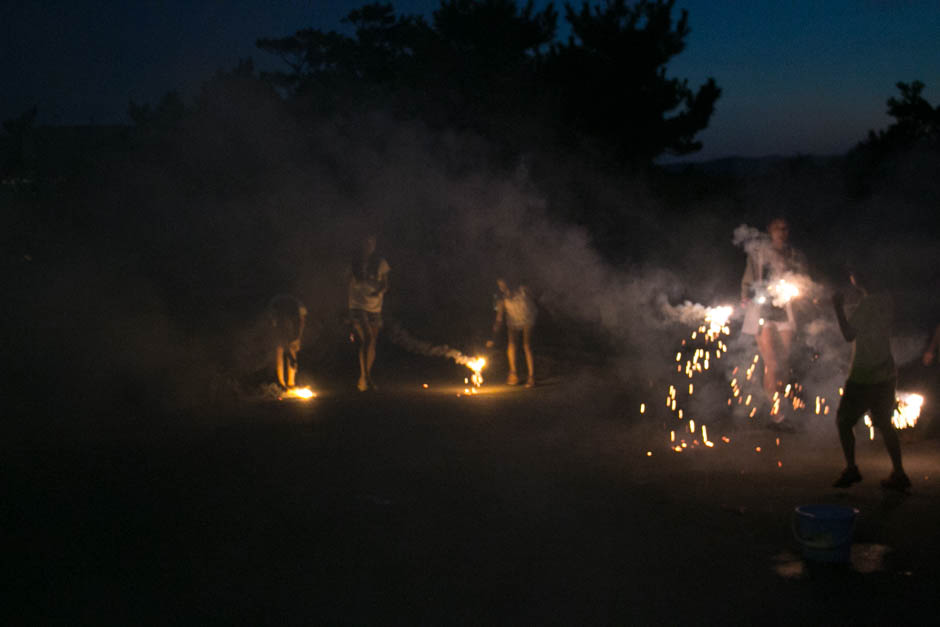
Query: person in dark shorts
{"x": 871, "y": 382}
{"x": 367, "y": 285}
{"x": 288, "y": 317}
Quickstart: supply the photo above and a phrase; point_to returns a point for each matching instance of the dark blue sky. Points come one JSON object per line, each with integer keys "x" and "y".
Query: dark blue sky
{"x": 800, "y": 76}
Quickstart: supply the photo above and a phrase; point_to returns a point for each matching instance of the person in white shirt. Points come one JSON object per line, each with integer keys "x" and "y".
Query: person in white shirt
{"x": 773, "y": 326}
{"x": 518, "y": 310}
{"x": 366, "y": 288}
{"x": 871, "y": 382}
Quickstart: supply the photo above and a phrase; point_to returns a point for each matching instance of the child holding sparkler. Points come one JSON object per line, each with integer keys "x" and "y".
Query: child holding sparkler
{"x": 769, "y": 313}
{"x": 518, "y": 310}
{"x": 871, "y": 383}
{"x": 288, "y": 317}
{"x": 367, "y": 285}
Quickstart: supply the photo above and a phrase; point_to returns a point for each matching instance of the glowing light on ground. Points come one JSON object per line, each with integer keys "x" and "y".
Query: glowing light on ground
{"x": 304, "y": 394}
{"x": 477, "y": 364}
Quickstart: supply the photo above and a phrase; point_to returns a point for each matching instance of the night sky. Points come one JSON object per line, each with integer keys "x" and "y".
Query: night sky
{"x": 797, "y": 77}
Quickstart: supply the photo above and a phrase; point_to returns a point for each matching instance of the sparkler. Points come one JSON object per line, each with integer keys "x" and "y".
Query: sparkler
{"x": 703, "y": 344}
{"x": 782, "y": 292}
{"x": 908, "y": 410}
{"x": 905, "y": 415}
{"x": 717, "y": 320}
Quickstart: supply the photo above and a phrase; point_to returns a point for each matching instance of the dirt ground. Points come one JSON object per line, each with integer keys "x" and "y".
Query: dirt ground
{"x": 419, "y": 506}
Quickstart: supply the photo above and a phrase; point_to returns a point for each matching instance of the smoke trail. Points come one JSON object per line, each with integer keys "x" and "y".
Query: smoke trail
{"x": 694, "y": 314}
{"x": 401, "y": 337}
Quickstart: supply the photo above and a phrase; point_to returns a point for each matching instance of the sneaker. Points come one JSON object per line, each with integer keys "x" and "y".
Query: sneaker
{"x": 849, "y": 476}
{"x": 363, "y": 385}
{"x": 896, "y": 481}
{"x": 512, "y": 379}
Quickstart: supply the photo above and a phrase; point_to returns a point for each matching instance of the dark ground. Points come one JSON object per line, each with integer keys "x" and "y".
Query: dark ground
{"x": 413, "y": 506}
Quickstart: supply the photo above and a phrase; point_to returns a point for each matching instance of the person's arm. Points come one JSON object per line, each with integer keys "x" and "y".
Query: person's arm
{"x": 748, "y": 280}
{"x": 497, "y": 324}
{"x": 848, "y": 331}
{"x": 303, "y": 322}
{"x": 500, "y": 314}
{"x": 382, "y": 284}
{"x": 350, "y": 277}
{"x": 931, "y": 353}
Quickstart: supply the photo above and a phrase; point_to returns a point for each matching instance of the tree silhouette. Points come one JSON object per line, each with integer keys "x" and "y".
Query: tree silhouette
{"x": 495, "y": 67}
{"x": 916, "y": 122}
{"x": 612, "y": 77}
{"x": 911, "y": 143}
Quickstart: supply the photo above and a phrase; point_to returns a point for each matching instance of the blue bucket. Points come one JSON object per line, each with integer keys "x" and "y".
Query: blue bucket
{"x": 825, "y": 531}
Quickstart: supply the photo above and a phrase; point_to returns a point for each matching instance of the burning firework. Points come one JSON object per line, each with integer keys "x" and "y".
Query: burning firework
{"x": 780, "y": 292}
{"x": 403, "y": 338}
{"x": 694, "y": 358}
{"x": 717, "y": 320}
{"x": 905, "y": 416}
{"x": 477, "y": 364}
{"x": 304, "y": 394}
{"x": 907, "y": 411}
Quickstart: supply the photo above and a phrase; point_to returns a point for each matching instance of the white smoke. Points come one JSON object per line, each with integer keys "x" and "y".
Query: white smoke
{"x": 751, "y": 239}
{"x": 401, "y": 337}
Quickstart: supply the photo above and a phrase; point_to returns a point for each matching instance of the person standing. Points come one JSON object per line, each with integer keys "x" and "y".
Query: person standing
{"x": 872, "y": 378}
{"x": 366, "y": 288}
{"x": 773, "y": 325}
{"x": 517, "y": 309}
{"x": 288, "y": 317}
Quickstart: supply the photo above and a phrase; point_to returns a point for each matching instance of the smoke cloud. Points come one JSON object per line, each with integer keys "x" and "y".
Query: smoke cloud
{"x": 180, "y": 250}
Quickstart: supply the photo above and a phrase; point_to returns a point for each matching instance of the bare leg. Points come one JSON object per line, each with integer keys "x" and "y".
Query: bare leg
{"x": 893, "y": 444}
{"x": 527, "y": 348}
{"x": 363, "y": 339}
{"x": 786, "y": 343}
{"x": 845, "y": 423}
{"x": 370, "y": 352}
{"x": 279, "y": 354}
{"x": 511, "y": 357}
{"x": 881, "y": 418}
{"x": 765, "y": 344}
{"x": 292, "y": 369}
